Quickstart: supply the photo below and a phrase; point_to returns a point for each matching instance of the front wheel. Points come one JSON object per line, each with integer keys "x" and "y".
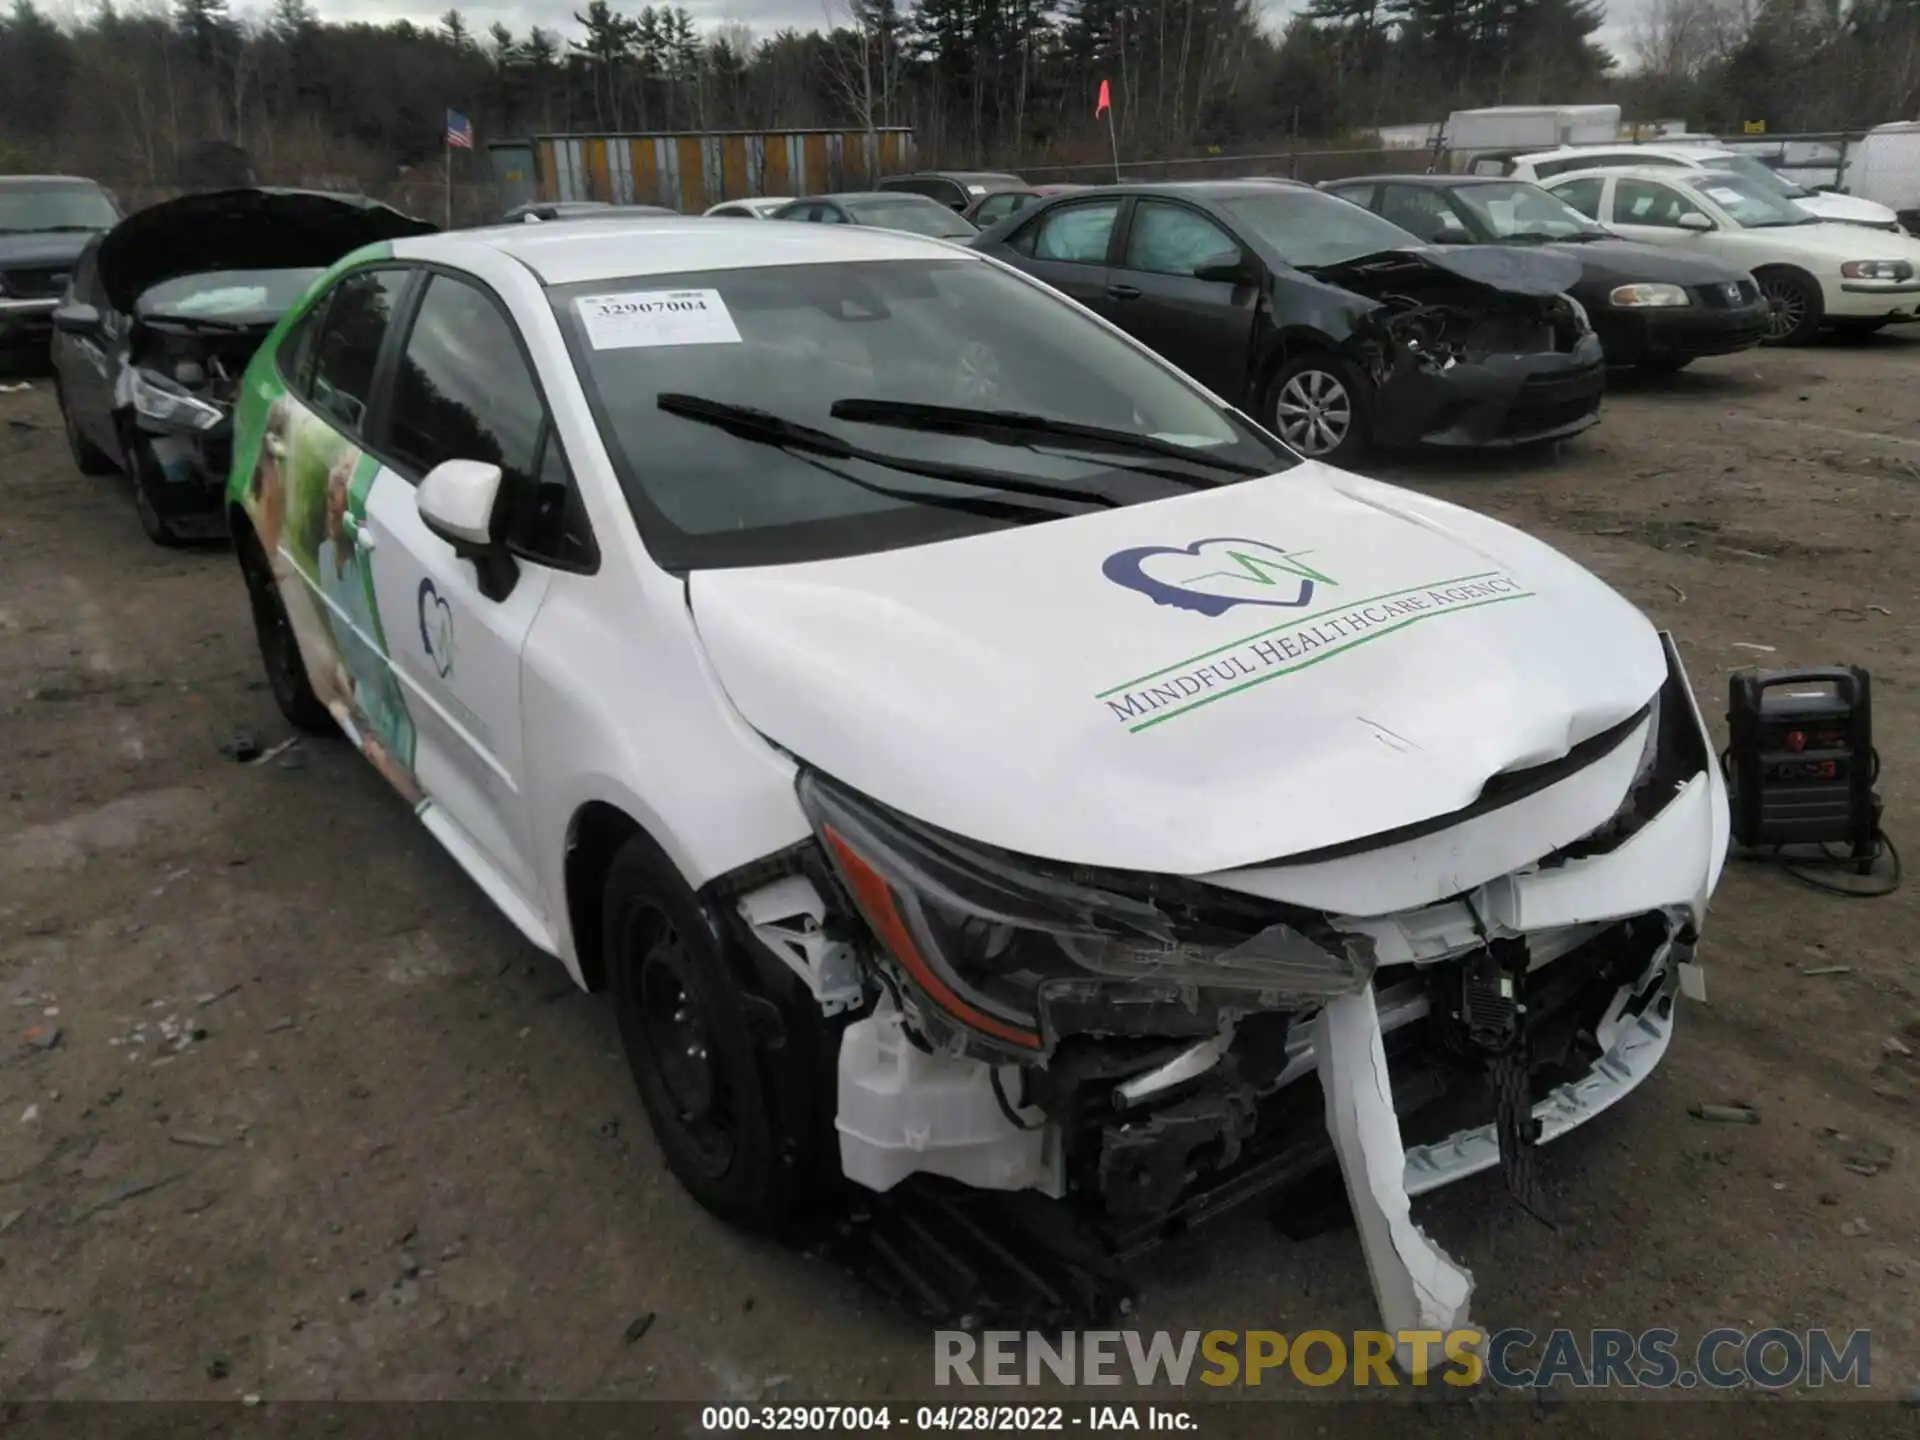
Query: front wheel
{"x": 684, "y": 1023}
{"x": 1318, "y": 406}
{"x": 1795, "y": 307}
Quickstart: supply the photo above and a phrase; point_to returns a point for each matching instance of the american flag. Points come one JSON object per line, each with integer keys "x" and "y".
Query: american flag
{"x": 459, "y": 131}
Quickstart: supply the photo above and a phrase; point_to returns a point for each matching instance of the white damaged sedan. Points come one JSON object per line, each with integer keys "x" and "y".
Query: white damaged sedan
{"x": 960, "y": 744}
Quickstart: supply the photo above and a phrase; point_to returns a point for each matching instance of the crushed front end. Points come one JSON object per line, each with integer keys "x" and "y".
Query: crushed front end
{"x": 174, "y": 395}
{"x": 1153, "y": 1049}
{"x": 1464, "y": 353}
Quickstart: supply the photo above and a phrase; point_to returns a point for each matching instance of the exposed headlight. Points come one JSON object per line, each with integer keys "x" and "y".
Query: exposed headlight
{"x": 1876, "y": 270}
{"x": 1650, "y": 296}
{"x": 159, "y": 398}
{"x": 982, "y": 934}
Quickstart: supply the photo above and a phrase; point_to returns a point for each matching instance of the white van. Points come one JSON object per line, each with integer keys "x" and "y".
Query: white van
{"x": 1885, "y": 167}
{"x": 1845, "y": 209}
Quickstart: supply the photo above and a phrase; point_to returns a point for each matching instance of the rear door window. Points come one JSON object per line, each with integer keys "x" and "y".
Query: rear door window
{"x": 1583, "y": 195}
{"x": 359, "y": 312}
{"x": 1078, "y": 234}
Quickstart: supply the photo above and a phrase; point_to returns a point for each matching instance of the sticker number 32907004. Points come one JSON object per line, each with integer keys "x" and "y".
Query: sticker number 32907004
{"x": 641, "y": 318}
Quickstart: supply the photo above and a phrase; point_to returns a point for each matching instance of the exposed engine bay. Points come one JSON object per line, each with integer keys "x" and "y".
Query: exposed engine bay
{"x": 1472, "y": 345}
{"x": 204, "y": 361}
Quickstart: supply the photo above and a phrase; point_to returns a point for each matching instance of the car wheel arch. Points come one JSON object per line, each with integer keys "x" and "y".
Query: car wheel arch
{"x": 1286, "y": 344}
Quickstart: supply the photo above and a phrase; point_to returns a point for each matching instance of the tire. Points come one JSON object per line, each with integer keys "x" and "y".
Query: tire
{"x": 88, "y": 458}
{"x": 685, "y": 1015}
{"x": 1795, "y": 305}
{"x": 279, "y": 647}
{"x": 1664, "y": 364}
{"x": 1320, "y": 408}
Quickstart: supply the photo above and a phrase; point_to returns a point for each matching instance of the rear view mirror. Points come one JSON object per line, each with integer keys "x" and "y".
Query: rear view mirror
{"x": 77, "y": 320}
{"x": 1227, "y": 270}
{"x": 1694, "y": 220}
{"x": 457, "y": 500}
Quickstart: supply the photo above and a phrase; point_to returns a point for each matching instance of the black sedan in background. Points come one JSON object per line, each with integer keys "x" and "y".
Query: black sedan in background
{"x": 1653, "y": 308}
{"x": 45, "y": 221}
{"x": 165, "y": 311}
{"x": 1332, "y": 326}
{"x": 882, "y": 210}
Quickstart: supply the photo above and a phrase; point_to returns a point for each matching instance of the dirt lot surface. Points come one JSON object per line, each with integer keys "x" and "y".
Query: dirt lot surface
{"x": 319, "y": 1124}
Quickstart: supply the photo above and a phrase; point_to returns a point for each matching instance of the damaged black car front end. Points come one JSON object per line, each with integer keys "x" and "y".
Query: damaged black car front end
{"x": 1472, "y": 346}
{"x": 164, "y": 313}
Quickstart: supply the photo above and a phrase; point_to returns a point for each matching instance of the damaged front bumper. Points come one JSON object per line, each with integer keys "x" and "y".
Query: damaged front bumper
{"x": 1454, "y": 1002}
{"x": 1494, "y": 402}
{"x": 182, "y": 449}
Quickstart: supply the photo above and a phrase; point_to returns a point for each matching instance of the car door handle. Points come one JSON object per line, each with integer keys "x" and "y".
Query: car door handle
{"x": 365, "y": 538}
{"x": 1123, "y": 292}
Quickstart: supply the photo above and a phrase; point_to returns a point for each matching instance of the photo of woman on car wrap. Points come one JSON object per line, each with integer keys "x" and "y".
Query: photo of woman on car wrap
{"x": 308, "y": 499}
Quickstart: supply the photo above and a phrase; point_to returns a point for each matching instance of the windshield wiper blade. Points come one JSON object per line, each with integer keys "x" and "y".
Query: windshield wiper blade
{"x": 1023, "y": 428}
{"x": 765, "y": 428}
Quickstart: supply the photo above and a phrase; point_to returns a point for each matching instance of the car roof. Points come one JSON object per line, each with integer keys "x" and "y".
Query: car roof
{"x": 959, "y": 175}
{"x": 1684, "y": 150}
{"x": 6, "y": 180}
{"x": 890, "y": 196}
{"x": 1433, "y": 180}
{"x": 1665, "y": 173}
{"x": 1198, "y": 189}
{"x": 567, "y": 252}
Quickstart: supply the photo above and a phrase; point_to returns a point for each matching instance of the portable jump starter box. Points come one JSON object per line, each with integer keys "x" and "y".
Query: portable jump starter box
{"x": 1800, "y": 760}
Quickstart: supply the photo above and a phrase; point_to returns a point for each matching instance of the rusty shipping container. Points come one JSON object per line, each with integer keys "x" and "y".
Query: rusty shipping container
{"x": 689, "y": 171}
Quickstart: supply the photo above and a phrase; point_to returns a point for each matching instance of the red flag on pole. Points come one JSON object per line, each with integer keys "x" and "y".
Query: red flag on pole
{"x": 1106, "y": 102}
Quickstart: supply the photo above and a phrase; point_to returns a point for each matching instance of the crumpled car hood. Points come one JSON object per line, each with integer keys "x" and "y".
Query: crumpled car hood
{"x": 1193, "y": 685}
{"x": 1495, "y": 267}
{"x": 257, "y": 228}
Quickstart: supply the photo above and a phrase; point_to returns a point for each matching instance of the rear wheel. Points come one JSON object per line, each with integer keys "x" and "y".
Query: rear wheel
{"x": 1319, "y": 407}
{"x": 1794, "y": 307}
{"x": 684, "y": 1016}
{"x": 88, "y": 458}
{"x": 279, "y": 648}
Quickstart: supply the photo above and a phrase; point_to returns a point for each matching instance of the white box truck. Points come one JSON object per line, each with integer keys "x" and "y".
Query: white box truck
{"x": 1507, "y": 129}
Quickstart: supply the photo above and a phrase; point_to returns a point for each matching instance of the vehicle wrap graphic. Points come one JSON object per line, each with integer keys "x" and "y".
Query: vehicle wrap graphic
{"x": 307, "y": 497}
{"x": 1186, "y": 685}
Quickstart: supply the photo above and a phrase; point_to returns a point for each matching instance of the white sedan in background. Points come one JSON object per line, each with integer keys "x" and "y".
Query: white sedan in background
{"x": 1813, "y": 273}
{"x": 757, "y": 207}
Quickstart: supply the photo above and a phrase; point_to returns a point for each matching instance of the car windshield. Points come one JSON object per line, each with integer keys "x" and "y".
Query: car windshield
{"x": 793, "y": 342}
{"x": 1513, "y": 210}
{"x": 1751, "y": 168}
{"x": 1752, "y": 205}
{"x": 915, "y": 214}
{"x": 63, "y": 205}
{"x": 228, "y": 297}
{"x": 1309, "y": 228}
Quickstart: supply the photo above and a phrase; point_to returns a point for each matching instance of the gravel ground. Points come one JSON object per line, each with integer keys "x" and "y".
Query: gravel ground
{"x": 319, "y": 1124}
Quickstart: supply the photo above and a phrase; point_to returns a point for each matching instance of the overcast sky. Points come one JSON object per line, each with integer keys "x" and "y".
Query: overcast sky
{"x": 763, "y": 16}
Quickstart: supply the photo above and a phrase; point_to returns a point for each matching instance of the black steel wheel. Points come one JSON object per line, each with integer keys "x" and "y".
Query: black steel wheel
{"x": 683, "y": 1011}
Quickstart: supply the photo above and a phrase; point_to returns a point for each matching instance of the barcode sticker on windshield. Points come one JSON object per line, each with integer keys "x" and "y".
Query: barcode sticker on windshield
{"x": 642, "y": 318}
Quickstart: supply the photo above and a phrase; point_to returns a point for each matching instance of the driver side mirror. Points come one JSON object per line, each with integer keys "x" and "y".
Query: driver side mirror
{"x": 1228, "y": 270}
{"x": 77, "y": 320}
{"x": 1695, "y": 221}
{"x": 460, "y": 501}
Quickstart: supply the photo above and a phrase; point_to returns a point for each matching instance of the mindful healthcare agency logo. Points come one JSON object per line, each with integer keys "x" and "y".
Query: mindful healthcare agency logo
{"x": 1213, "y": 576}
